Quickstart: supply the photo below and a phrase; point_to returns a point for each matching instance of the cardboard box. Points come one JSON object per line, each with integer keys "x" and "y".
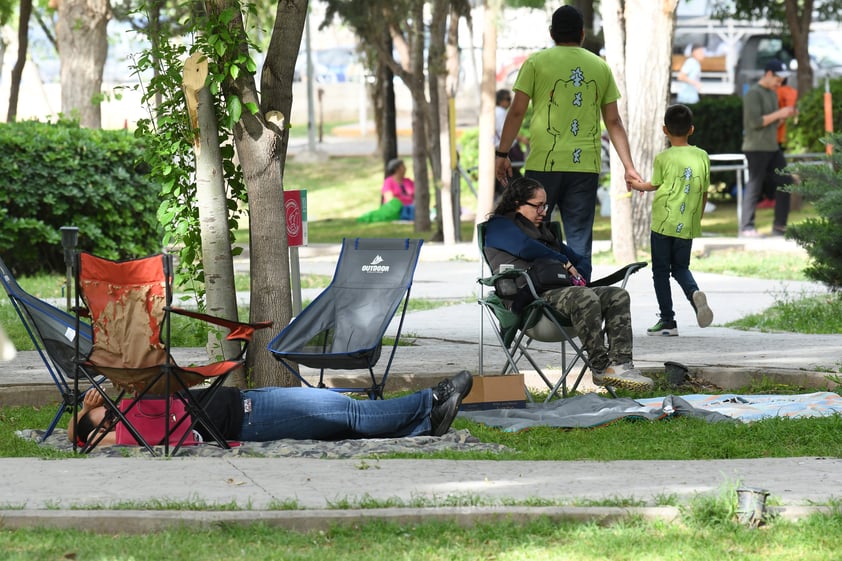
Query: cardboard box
{"x": 496, "y": 392}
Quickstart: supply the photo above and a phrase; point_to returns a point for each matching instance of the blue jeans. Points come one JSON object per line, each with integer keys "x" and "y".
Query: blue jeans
{"x": 671, "y": 256}
{"x": 575, "y": 195}
{"x": 320, "y": 414}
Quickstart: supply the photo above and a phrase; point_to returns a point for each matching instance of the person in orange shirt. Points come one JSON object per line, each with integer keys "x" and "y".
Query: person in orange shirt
{"x": 787, "y": 97}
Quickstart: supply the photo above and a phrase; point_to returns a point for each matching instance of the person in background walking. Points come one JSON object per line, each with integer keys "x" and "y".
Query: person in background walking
{"x": 690, "y": 76}
{"x": 761, "y": 117}
{"x": 680, "y": 179}
{"x": 570, "y": 89}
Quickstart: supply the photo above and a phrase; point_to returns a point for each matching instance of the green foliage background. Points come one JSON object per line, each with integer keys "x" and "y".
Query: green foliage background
{"x": 59, "y": 174}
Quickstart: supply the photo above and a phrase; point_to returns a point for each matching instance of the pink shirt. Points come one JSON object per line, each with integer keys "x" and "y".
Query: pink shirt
{"x": 404, "y": 192}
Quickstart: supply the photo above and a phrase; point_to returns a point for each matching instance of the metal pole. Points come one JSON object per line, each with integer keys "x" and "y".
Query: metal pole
{"x": 69, "y": 239}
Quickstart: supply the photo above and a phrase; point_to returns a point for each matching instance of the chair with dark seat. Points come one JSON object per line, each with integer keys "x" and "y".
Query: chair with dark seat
{"x": 54, "y": 335}
{"x": 343, "y": 328}
{"x": 538, "y": 321}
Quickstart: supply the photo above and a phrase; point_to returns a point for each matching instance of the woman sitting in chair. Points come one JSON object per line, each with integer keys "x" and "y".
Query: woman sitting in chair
{"x": 265, "y": 414}
{"x": 516, "y": 234}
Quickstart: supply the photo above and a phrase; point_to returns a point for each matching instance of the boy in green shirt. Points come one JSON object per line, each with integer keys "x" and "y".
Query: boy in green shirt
{"x": 680, "y": 180}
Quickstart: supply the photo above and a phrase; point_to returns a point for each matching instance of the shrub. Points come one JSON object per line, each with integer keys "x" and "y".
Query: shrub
{"x": 719, "y": 124}
{"x": 822, "y": 236}
{"x": 59, "y": 174}
{"x": 805, "y": 133}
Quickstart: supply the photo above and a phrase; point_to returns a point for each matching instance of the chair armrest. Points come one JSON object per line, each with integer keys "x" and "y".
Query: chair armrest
{"x": 508, "y": 274}
{"x": 238, "y": 331}
{"x": 621, "y": 275}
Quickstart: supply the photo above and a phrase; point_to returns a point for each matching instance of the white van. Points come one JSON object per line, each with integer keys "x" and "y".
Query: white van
{"x": 737, "y": 51}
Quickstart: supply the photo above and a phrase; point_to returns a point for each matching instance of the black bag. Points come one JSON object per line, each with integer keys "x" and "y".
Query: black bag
{"x": 547, "y": 274}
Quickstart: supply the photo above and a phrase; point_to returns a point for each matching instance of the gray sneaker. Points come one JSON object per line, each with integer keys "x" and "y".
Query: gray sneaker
{"x": 626, "y": 376}
{"x": 704, "y": 315}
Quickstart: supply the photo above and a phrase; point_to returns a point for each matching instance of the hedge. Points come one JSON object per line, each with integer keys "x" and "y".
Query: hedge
{"x": 59, "y": 174}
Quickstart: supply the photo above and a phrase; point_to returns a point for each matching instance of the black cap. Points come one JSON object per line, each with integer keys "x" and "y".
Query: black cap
{"x": 777, "y": 67}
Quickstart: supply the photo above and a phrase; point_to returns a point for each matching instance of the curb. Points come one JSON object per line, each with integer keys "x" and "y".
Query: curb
{"x": 144, "y": 522}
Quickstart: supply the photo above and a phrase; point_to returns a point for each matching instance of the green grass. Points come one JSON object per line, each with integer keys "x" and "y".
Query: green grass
{"x": 704, "y": 535}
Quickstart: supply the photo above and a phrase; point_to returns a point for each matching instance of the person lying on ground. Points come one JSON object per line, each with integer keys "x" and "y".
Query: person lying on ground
{"x": 301, "y": 413}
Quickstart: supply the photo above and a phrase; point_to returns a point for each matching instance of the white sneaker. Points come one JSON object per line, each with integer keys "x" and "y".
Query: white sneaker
{"x": 626, "y": 376}
{"x": 704, "y": 315}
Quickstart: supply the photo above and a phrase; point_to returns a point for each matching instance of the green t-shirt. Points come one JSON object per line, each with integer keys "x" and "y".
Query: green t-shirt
{"x": 759, "y": 101}
{"x": 682, "y": 174}
{"x": 568, "y": 87}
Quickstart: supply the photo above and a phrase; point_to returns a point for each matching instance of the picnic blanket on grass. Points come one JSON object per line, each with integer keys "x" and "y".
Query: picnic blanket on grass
{"x": 592, "y": 410}
{"x": 337, "y": 449}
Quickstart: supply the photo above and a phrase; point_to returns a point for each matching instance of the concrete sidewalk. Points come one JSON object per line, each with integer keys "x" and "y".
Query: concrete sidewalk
{"x": 37, "y": 492}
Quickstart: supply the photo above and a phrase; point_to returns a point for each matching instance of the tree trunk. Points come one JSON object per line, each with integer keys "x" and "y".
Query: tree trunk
{"x": 485, "y": 186}
{"x": 416, "y": 83}
{"x": 212, "y": 203}
{"x": 641, "y": 69}
{"x": 799, "y": 27}
{"x": 440, "y": 124}
{"x": 389, "y": 132}
{"x": 83, "y": 46}
{"x": 17, "y": 71}
{"x": 261, "y": 141}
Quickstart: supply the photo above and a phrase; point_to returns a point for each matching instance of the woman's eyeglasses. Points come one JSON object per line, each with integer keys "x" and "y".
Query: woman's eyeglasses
{"x": 542, "y": 209}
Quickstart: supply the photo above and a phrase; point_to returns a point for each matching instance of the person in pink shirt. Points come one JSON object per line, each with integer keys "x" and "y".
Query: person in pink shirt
{"x": 398, "y": 186}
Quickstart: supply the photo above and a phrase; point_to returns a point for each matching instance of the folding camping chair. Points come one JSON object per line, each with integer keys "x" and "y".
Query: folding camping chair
{"x": 538, "y": 322}
{"x": 343, "y": 327}
{"x": 54, "y": 335}
{"x": 129, "y": 303}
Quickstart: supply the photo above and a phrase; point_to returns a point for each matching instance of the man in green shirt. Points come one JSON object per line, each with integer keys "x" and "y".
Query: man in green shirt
{"x": 761, "y": 116}
{"x": 570, "y": 89}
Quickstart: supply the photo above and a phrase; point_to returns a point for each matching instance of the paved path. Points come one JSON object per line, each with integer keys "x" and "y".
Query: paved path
{"x": 447, "y": 339}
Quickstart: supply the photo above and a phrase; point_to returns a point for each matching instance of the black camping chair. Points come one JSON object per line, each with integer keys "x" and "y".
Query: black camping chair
{"x": 53, "y": 333}
{"x": 537, "y": 322}
{"x": 343, "y": 327}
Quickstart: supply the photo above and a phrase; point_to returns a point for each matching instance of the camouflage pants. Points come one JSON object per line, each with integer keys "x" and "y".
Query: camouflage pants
{"x": 592, "y": 309}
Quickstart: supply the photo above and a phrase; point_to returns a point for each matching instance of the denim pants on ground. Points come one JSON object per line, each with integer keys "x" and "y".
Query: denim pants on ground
{"x": 671, "y": 256}
{"x": 575, "y": 195}
{"x": 321, "y": 414}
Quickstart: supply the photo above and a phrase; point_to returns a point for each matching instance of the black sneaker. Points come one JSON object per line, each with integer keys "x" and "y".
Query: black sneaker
{"x": 447, "y": 397}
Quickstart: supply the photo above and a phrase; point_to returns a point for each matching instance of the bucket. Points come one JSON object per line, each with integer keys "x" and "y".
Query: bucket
{"x": 676, "y": 373}
{"x": 751, "y": 506}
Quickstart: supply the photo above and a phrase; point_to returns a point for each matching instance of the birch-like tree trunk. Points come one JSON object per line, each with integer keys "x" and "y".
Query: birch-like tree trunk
{"x": 83, "y": 45}
{"x": 488, "y": 84}
{"x": 212, "y": 203}
{"x": 638, "y": 45}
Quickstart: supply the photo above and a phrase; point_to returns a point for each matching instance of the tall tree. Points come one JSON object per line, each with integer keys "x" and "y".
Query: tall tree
{"x": 641, "y": 69}
{"x": 23, "y": 46}
{"x": 81, "y": 33}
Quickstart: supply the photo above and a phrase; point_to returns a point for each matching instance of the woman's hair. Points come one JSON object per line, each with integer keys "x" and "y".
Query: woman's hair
{"x": 393, "y": 165}
{"x": 516, "y": 193}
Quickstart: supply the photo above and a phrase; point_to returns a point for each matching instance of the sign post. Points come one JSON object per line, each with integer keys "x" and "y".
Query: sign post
{"x": 295, "y": 211}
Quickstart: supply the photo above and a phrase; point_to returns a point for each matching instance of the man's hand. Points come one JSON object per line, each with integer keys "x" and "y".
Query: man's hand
{"x": 502, "y": 170}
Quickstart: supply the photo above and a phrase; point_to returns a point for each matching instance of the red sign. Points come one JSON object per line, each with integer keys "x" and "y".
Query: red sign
{"x": 295, "y": 209}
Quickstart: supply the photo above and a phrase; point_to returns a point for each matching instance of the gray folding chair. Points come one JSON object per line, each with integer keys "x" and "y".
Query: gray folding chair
{"x": 343, "y": 327}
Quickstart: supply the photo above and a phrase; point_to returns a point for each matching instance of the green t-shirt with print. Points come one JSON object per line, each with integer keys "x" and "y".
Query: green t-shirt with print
{"x": 568, "y": 87}
{"x": 682, "y": 174}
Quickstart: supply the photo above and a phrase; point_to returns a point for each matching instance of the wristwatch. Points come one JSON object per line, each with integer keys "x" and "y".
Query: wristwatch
{"x": 500, "y": 154}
